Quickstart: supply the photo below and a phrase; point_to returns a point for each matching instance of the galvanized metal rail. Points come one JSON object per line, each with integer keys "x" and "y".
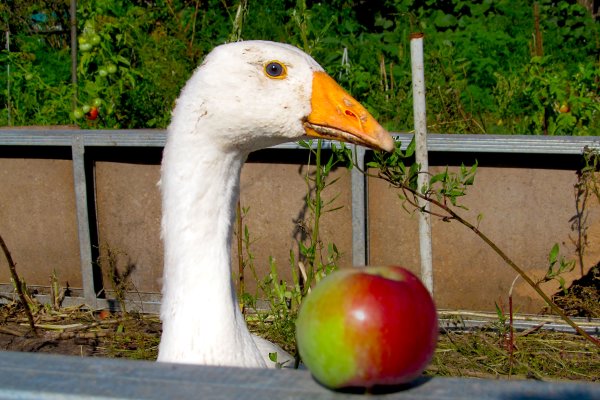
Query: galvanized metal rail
{"x": 436, "y": 142}
{"x": 34, "y": 376}
{"x": 80, "y": 140}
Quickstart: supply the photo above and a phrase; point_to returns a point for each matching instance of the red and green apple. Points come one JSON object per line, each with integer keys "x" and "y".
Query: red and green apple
{"x": 366, "y": 327}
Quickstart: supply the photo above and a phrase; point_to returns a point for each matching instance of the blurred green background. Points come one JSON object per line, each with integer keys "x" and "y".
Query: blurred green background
{"x": 508, "y": 67}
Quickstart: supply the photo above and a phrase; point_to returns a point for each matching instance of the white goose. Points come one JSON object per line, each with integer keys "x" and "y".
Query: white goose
{"x": 245, "y": 96}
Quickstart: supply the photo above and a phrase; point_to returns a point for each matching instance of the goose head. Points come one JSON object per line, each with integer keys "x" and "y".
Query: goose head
{"x": 254, "y": 94}
{"x": 245, "y": 96}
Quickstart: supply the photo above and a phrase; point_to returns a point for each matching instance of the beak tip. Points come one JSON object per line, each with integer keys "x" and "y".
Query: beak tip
{"x": 386, "y": 141}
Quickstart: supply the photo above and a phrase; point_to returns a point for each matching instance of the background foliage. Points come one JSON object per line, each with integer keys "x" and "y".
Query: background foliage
{"x": 502, "y": 66}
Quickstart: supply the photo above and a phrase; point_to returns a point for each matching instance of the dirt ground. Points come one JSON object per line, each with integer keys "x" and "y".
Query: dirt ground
{"x": 488, "y": 351}
{"x": 482, "y": 353}
{"x": 81, "y": 333}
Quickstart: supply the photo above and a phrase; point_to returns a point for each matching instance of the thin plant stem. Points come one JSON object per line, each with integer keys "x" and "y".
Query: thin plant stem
{"x": 511, "y": 263}
{"x": 454, "y": 216}
{"x": 193, "y": 35}
{"x": 511, "y": 332}
{"x": 317, "y": 202}
{"x": 13, "y": 273}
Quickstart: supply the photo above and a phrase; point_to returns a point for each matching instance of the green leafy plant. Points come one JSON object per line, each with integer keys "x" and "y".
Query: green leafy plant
{"x": 317, "y": 262}
{"x": 491, "y": 67}
{"x": 20, "y": 286}
{"x": 309, "y": 265}
{"x": 37, "y": 89}
{"x": 120, "y": 279}
{"x": 274, "y": 304}
{"x": 557, "y": 267}
{"x": 113, "y": 65}
{"x": 393, "y": 170}
{"x": 313, "y": 260}
{"x": 586, "y": 188}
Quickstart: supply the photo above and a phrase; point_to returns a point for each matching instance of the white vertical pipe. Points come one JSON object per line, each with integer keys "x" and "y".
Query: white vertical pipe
{"x": 8, "y": 105}
{"x": 73, "y": 19}
{"x": 359, "y": 210}
{"x": 421, "y": 157}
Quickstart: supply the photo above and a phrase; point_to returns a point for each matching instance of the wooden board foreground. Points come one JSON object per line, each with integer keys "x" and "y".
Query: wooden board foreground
{"x": 42, "y": 376}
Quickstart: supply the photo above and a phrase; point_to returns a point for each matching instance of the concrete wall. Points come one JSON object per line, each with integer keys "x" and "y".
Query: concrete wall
{"x": 38, "y": 220}
{"x": 525, "y": 209}
{"x": 128, "y": 204}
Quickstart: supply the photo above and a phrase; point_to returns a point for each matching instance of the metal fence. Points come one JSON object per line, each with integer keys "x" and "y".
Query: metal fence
{"x": 80, "y": 140}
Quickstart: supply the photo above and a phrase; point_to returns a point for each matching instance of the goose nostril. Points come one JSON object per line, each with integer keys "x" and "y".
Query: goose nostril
{"x": 350, "y": 114}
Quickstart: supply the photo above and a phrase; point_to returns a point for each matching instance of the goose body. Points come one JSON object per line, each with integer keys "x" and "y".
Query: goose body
{"x": 245, "y": 96}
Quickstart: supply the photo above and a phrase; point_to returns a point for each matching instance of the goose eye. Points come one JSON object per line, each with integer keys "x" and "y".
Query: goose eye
{"x": 275, "y": 69}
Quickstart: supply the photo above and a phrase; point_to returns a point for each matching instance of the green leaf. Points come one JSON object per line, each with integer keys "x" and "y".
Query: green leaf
{"x": 438, "y": 178}
{"x": 410, "y": 149}
{"x": 445, "y": 20}
{"x": 500, "y": 313}
{"x": 307, "y": 144}
{"x": 553, "y": 255}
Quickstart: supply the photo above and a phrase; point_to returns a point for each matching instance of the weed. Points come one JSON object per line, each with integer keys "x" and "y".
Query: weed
{"x": 586, "y": 188}
{"x": 271, "y": 310}
{"x": 57, "y": 295}
{"x": 134, "y": 337}
{"x": 275, "y": 318}
{"x": 119, "y": 279}
{"x": 557, "y": 268}
{"x": 21, "y": 288}
{"x": 314, "y": 260}
{"x": 442, "y": 192}
{"x": 482, "y": 354}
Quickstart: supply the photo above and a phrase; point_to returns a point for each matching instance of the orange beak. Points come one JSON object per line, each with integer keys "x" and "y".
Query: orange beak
{"x": 337, "y": 115}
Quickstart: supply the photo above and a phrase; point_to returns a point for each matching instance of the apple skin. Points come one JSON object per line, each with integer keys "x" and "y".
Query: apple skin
{"x": 366, "y": 327}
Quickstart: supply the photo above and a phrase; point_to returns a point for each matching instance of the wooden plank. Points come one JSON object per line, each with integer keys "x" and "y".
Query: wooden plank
{"x": 42, "y": 376}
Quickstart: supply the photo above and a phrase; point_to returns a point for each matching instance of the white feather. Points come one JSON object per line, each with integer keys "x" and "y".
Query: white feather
{"x": 228, "y": 108}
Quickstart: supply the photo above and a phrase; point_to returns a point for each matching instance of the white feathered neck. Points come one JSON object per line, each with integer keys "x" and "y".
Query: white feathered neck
{"x": 227, "y": 109}
{"x": 234, "y": 104}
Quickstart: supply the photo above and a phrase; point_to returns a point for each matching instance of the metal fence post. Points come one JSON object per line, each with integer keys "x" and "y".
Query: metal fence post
{"x": 73, "y": 19}
{"x": 421, "y": 156}
{"x": 83, "y": 221}
{"x": 360, "y": 244}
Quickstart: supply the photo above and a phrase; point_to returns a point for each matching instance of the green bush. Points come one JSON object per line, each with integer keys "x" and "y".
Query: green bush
{"x": 491, "y": 67}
